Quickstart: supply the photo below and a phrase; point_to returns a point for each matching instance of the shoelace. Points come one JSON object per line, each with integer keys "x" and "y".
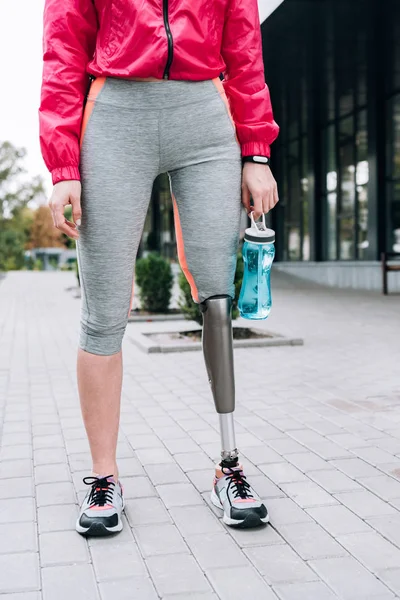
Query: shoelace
{"x": 240, "y": 487}
{"x": 101, "y": 492}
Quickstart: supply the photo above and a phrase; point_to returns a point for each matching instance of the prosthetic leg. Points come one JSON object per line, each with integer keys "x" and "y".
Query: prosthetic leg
{"x": 241, "y": 505}
{"x": 218, "y": 356}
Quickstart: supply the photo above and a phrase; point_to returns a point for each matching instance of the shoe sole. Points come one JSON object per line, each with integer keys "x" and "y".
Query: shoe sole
{"x": 97, "y": 529}
{"x": 251, "y": 520}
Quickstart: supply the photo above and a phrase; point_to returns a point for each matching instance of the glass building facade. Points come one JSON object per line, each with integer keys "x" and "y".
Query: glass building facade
{"x": 333, "y": 68}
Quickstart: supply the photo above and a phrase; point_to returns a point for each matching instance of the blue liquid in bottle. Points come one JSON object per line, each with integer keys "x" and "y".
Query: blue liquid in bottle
{"x": 255, "y": 298}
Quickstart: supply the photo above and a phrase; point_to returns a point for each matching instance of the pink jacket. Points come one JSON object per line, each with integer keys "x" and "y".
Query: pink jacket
{"x": 175, "y": 39}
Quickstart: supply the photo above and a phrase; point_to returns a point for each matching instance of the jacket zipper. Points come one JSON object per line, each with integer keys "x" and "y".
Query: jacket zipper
{"x": 170, "y": 40}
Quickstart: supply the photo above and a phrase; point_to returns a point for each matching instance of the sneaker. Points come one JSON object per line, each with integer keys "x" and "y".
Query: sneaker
{"x": 101, "y": 509}
{"x": 234, "y": 495}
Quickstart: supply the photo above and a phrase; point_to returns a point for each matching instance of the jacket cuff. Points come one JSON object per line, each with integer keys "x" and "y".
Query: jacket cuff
{"x": 256, "y": 149}
{"x": 67, "y": 173}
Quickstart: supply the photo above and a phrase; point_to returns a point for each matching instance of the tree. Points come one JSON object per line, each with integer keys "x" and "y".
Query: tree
{"x": 43, "y": 233}
{"x": 16, "y": 191}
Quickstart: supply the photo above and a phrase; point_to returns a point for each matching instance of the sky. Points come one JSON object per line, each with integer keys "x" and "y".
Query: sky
{"x": 21, "y": 69}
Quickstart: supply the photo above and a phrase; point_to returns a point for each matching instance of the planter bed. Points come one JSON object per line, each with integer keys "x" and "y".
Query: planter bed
{"x": 190, "y": 339}
{"x": 139, "y": 316}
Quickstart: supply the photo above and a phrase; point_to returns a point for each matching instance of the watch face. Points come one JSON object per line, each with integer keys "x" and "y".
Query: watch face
{"x": 261, "y": 159}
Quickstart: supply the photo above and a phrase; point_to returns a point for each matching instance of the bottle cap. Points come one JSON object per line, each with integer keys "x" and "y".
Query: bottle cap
{"x": 259, "y": 232}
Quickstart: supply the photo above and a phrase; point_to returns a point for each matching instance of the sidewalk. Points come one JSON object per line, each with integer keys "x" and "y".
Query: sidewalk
{"x": 319, "y": 429}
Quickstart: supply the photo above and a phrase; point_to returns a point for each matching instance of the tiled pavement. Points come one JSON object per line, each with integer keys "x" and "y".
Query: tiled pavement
{"x": 319, "y": 429}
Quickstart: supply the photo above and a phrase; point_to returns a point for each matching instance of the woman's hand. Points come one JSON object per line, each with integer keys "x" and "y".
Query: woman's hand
{"x": 64, "y": 193}
{"x": 258, "y": 181}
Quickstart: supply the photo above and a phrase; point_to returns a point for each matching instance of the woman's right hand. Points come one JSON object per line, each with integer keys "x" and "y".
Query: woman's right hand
{"x": 64, "y": 193}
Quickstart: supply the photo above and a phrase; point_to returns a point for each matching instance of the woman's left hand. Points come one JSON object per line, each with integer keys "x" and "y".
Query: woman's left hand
{"x": 257, "y": 180}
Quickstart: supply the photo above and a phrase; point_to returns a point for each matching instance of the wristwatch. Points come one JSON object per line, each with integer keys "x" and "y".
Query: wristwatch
{"x": 256, "y": 159}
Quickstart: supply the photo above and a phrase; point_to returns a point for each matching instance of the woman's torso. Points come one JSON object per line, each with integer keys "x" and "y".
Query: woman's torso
{"x": 156, "y": 39}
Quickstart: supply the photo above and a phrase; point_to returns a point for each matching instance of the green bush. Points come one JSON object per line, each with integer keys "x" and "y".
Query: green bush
{"x": 154, "y": 278}
{"x": 191, "y": 310}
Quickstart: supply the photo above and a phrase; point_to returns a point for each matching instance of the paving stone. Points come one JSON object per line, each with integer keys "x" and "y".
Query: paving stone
{"x": 22, "y": 467}
{"x": 146, "y": 511}
{"x": 206, "y": 596}
{"x": 312, "y": 590}
{"x": 129, "y": 467}
{"x": 259, "y": 536}
{"x": 16, "y": 452}
{"x": 177, "y": 574}
{"x": 19, "y": 572}
{"x": 18, "y": 537}
{"x": 194, "y": 461}
{"x": 385, "y": 487}
{"x": 348, "y": 579}
{"x": 48, "y": 441}
{"x": 391, "y": 578}
{"x": 182, "y": 445}
{"x": 179, "y": 494}
{"x": 213, "y": 550}
{"x": 334, "y": 481}
{"x": 52, "y": 473}
{"x": 144, "y": 441}
{"x": 310, "y": 541}
{"x": 16, "y": 488}
{"x": 329, "y": 450}
{"x": 373, "y": 455}
{"x": 282, "y": 473}
{"x": 365, "y": 504}
{"x": 22, "y": 596}
{"x": 69, "y": 581}
{"x": 14, "y": 510}
{"x": 138, "y": 487}
{"x": 57, "y": 517}
{"x": 265, "y": 488}
{"x": 55, "y": 493}
{"x": 372, "y": 550}
{"x": 279, "y": 564}
{"x": 308, "y": 461}
{"x": 120, "y": 560}
{"x": 283, "y": 511}
{"x": 165, "y": 473}
{"x": 192, "y": 520}
{"x": 161, "y": 538}
{"x": 262, "y": 455}
{"x": 10, "y": 439}
{"x": 286, "y": 446}
{"x": 126, "y": 589}
{"x": 307, "y": 494}
{"x": 338, "y": 520}
{"x": 236, "y": 583}
{"x": 62, "y": 547}
{"x": 154, "y": 456}
{"x": 47, "y": 456}
{"x": 202, "y": 480}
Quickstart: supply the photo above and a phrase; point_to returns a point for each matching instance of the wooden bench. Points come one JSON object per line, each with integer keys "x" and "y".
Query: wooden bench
{"x": 387, "y": 257}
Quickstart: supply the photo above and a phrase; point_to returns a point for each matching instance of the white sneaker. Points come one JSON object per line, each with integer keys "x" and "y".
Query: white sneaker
{"x": 101, "y": 509}
{"x": 240, "y": 502}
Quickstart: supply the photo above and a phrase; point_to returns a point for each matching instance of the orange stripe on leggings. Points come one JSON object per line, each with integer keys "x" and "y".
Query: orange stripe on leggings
{"x": 181, "y": 252}
{"x": 132, "y": 295}
{"x": 219, "y": 85}
{"x": 94, "y": 91}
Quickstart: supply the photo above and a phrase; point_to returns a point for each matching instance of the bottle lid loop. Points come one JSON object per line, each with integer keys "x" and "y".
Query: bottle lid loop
{"x": 259, "y": 232}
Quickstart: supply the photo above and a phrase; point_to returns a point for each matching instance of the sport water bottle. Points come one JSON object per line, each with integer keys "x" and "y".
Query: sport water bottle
{"x": 255, "y": 299}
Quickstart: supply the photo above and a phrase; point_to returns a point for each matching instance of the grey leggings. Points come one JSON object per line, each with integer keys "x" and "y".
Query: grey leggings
{"x": 132, "y": 131}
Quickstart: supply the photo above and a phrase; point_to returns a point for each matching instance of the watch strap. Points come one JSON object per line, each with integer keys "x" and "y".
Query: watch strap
{"x": 264, "y": 160}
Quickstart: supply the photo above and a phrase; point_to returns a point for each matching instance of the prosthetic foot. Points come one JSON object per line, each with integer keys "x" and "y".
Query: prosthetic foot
{"x": 231, "y": 492}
